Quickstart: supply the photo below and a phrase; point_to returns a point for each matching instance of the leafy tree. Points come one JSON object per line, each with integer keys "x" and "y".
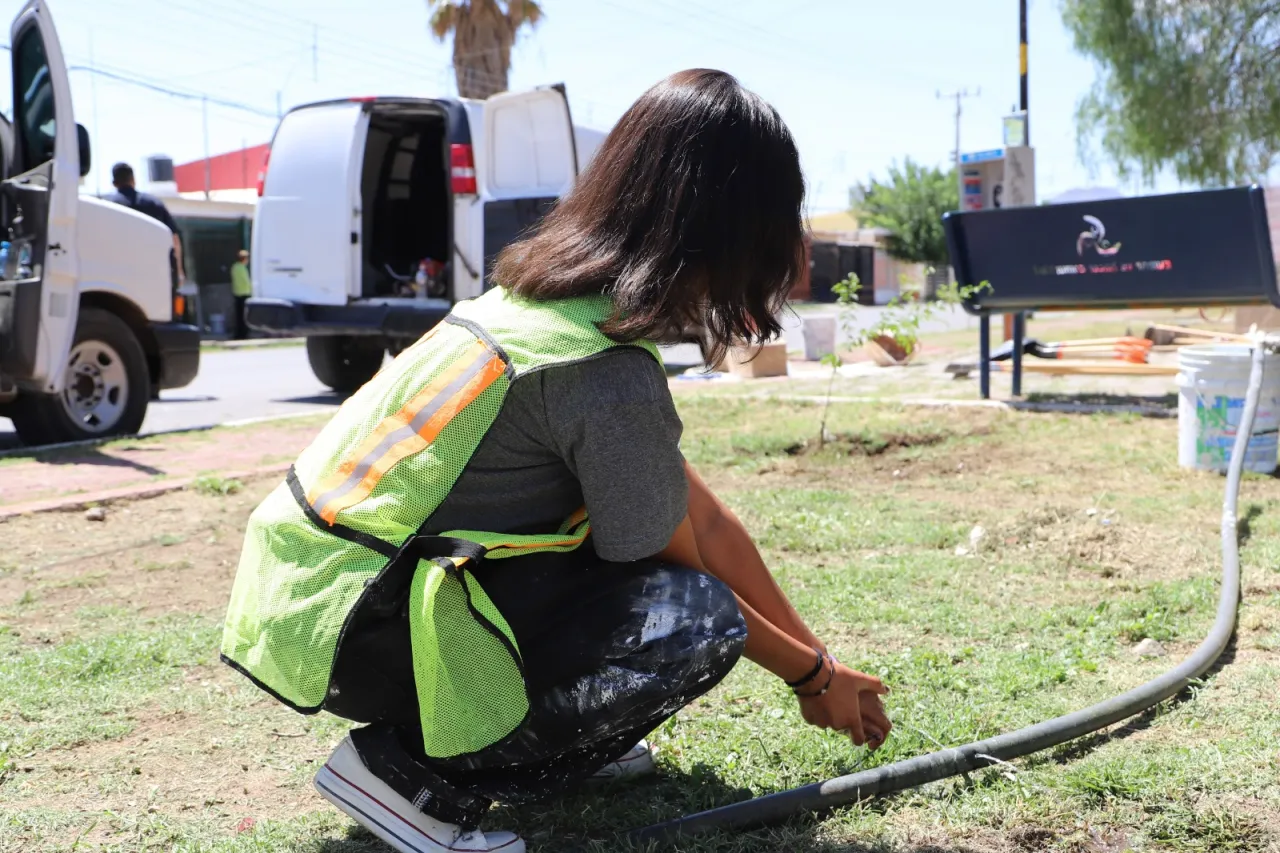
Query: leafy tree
{"x": 1183, "y": 84}
{"x": 483, "y": 33}
{"x": 910, "y": 205}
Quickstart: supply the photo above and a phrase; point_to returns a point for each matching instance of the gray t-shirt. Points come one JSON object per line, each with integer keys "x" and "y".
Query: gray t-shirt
{"x": 603, "y": 432}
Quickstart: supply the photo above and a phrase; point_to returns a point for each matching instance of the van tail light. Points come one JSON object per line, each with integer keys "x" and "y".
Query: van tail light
{"x": 179, "y": 306}
{"x": 262, "y": 173}
{"x": 462, "y": 169}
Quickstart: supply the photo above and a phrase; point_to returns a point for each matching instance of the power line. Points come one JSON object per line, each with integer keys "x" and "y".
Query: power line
{"x": 143, "y": 83}
{"x": 239, "y": 66}
{"x": 190, "y": 96}
{"x": 268, "y": 29}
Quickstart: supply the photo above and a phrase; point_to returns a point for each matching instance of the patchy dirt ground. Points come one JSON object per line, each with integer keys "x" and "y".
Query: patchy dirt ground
{"x": 171, "y": 554}
{"x": 120, "y": 731}
{"x": 120, "y": 464}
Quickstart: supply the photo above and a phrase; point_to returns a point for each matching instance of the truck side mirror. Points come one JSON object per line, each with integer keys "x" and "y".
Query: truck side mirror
{"x": 82, "y": 137}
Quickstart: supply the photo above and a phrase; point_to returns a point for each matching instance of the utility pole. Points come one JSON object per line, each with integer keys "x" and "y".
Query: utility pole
{"x": 1020, "y": 319}
{"x": 958, "y": 95}
{"x": 1022, "y": 68}
{"x": 204, "y": 111}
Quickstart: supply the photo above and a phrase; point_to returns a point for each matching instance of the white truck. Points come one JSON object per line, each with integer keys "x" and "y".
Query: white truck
{"x": 360, "y": 194}
{"x": 87, "y": 299}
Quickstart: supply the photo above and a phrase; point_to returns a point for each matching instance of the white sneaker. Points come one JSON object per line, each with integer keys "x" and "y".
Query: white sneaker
{"x": 348, "y": 784}
{"x": 637, "y": 762}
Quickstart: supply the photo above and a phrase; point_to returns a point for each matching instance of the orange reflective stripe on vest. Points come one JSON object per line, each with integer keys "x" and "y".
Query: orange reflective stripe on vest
{"x": 408, "y": 431}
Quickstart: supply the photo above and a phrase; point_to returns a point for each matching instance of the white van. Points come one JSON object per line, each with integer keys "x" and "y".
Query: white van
{"x": 87, "y": 301}
{"x": 358, "y": 193}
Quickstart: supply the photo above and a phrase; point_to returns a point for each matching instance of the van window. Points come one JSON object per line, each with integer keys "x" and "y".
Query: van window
{"x": 34, "y": 106}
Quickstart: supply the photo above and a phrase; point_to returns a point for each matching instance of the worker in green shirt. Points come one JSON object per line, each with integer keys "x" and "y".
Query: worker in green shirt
{"x": 241, "y": 289}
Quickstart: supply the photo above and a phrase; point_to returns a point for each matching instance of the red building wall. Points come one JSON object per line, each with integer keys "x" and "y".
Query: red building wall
{"x": 234, "y": 171}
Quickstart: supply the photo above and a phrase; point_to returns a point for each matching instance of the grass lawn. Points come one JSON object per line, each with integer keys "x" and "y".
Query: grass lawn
{"x": 120, "y": 731}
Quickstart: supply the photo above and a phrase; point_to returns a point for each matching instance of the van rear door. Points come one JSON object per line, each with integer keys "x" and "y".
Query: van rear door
{"x": 40, "y": 302}
{"x": 306, "y": 230}
{"x": 528, "y": 160}
{"x": 529, "y": 147}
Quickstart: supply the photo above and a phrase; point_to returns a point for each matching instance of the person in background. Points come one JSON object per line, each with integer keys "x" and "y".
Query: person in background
{"x": 241, "y": 290}
{"x": 127, "y": 194}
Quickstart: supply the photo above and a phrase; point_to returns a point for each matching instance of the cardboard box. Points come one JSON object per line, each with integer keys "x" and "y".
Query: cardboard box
{"x": 754, "y": 362}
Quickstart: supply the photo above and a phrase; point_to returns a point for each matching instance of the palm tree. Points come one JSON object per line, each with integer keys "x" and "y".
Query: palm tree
{"x": 483, "y": 33}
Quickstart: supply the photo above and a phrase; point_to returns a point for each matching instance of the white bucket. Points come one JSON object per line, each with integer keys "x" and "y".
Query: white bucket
{"x": 1211, "y": 391}
{"x": 819, "y": 337}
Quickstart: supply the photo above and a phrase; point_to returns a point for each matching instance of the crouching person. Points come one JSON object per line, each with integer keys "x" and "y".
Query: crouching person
{"x": 494, "y": 558}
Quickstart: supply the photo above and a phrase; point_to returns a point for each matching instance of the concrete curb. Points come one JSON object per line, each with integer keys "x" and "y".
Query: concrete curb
{"x": 253, "y": 343}
{"x": 1003, "y": 405}
{"x": 72, "y": 503}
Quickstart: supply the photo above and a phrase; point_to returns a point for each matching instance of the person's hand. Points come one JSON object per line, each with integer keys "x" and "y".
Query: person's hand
{"x": 875, "y": 723}
{"x": 850, "y": 705}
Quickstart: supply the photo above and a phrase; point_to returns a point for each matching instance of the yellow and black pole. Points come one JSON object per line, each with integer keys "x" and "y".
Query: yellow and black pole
{"x": 1022, "y": 68}
{"x": 1020, "y": 319}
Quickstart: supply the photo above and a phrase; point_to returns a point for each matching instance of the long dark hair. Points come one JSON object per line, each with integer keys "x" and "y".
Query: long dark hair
{"x": 688, "y": 216}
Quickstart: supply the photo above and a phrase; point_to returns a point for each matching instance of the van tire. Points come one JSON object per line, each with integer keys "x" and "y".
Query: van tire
{"x": 113, "y": 372}
{"x": 345, "y": 362}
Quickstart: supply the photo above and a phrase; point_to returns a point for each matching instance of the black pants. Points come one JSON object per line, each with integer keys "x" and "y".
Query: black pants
{"x": 242, "y": 325}
{"x": 611, "y": 650}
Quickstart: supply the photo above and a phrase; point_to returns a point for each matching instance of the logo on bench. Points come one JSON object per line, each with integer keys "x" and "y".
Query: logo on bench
{"x": 1096, "y": 237}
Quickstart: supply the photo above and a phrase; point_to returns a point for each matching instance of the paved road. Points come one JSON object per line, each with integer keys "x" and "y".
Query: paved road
{"x": 251, "y": 383}
{"x": 233, "y": 385}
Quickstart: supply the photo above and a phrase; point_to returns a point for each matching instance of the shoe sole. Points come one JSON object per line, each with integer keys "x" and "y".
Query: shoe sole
{"x": 369, "y": 812}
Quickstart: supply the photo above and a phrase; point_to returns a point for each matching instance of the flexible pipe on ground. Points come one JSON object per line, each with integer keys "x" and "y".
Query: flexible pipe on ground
{"x": 913, "y": 772}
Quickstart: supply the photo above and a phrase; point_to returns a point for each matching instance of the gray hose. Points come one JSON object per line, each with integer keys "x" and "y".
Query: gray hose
{"x": 912, "y": 772}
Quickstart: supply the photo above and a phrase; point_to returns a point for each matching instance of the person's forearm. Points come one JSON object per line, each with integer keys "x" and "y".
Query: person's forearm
{"x": 729, "y": 554}
{"x": 772, "y": 648}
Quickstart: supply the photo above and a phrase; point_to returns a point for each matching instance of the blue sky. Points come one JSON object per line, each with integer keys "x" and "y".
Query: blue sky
{"x": 855, "y": 79}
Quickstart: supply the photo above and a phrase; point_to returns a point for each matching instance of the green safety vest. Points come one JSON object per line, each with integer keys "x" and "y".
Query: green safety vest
{"x": 341, "y": 535}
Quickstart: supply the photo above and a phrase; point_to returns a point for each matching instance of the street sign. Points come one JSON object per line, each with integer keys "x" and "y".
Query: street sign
{"x": 1015, "y": 130}
{"x": 982, "y": 156}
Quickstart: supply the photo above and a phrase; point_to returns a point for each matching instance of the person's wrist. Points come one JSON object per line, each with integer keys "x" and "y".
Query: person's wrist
{"x": 814, "y": 671}
{"x": 818, "y": 686}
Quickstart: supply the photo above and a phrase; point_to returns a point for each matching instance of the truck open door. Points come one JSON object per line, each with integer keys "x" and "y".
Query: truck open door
{"x": 530, "y": 159}
{"x": 306, "y": 231}
{"x": 40, "y": 204}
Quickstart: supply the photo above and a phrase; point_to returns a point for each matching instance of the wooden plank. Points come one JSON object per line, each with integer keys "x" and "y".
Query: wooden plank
{"x": 1188, "y": 332}
{"x": 1101, "y": 368}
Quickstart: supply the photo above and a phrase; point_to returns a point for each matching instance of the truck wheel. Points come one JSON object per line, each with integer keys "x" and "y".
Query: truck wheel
{"x": 106, "y": 392}
{"x": 345, "y": 362}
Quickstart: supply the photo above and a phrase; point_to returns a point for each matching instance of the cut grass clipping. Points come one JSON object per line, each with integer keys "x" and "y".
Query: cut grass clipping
{"x": 120, "y": 731}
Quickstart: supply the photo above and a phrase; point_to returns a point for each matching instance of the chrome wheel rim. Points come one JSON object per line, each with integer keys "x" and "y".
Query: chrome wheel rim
{"x": 97, "y": 387}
